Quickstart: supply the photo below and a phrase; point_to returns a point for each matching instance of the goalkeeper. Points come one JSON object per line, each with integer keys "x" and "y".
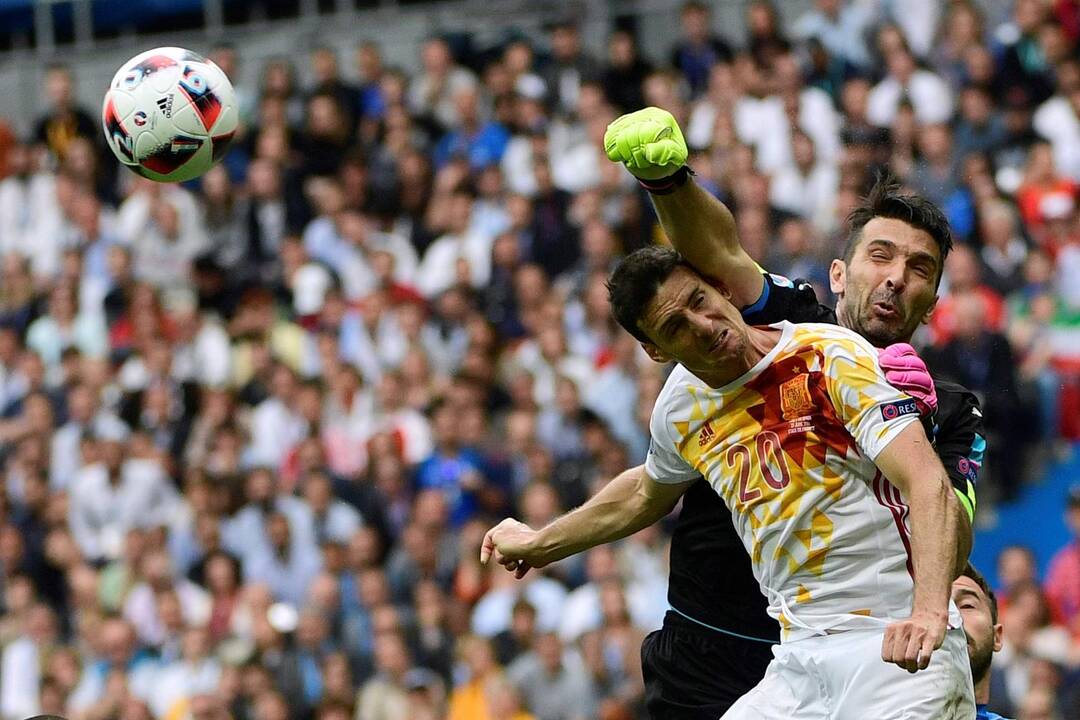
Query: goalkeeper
{"x": 716, "y": 639}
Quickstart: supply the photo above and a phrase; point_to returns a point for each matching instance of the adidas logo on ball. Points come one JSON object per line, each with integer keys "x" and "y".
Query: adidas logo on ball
{"x": 165, "y": 105}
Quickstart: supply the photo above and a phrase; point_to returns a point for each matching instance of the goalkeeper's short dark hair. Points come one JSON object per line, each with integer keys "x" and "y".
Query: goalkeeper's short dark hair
{"x": 886, "y": 199}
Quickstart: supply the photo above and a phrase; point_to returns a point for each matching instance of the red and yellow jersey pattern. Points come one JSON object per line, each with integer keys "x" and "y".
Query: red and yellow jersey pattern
{"x": 789, "y": 446}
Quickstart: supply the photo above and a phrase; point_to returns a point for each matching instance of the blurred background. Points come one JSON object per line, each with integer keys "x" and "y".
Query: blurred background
{"x": 253, "y": 427}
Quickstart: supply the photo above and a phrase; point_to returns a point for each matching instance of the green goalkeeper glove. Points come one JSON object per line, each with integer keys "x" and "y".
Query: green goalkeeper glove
{"x": 649, "y": 143}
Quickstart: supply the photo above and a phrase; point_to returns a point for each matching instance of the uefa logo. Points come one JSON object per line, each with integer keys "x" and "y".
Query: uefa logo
{"x": 140, "y": 118}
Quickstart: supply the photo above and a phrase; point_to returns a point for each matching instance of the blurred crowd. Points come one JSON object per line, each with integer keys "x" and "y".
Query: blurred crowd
{"x": 253, "y": 428}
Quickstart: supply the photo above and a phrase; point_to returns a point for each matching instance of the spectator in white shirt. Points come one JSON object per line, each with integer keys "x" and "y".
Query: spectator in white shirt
{"x": 165, "y": 228}
{"x": 117, "y": 652}
{"x": 141, "y": 604}
{"x": 936, "y": 174}
{"x": 27, "y": 198}
{"x": 202, "y": 354}
{"x": 82, "y": 406}
{"x": 361, "y": 240}
{"x": 116, "y": 494}
{"x": 195, "y": 673}
{"x": 63, "y": 327}
{"x": 432, "y": 93}
{"x": 929, "y": 95}
{"x": 22, "y": 662}
{"x": 275, "y": 425}
{"x": 246, "y": 536}
{"x": 32, "y": 220}
{"x": 492, "y": 613}
{"x": 808, "y": 108}
{"x": 410, "y": 427}
{"x": 840, "y": 26}
{"x": 333, "y": 519}
{"x": 462, "y": 255}
{"x": 546, "y": 359}
{"x": 806, "y": 187}
{"x": 582, "y": 610}
{"x": 93, "y": 234}
{"x": 287, "y": 568}
{"x": 1058, "y": 120}
{"x": 918, "y": 19}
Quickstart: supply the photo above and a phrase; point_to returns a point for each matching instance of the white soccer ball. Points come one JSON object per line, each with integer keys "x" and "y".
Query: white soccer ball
{"x": 169, "y": 114}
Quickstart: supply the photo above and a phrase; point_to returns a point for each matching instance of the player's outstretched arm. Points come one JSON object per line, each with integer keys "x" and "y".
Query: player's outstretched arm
{"x": 651, "y": 145}
{"x": 628, "y": 503}
{"x": 910, "y": 464}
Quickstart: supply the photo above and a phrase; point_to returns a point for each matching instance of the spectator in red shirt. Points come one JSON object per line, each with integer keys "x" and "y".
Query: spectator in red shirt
{"x": 964, "y": 276}
{"x": 1041, "y": 180}
{"x": 1063, "y": 578}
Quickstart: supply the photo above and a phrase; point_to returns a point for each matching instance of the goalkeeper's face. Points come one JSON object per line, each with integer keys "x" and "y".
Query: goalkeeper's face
{"x": 888, "y": 286}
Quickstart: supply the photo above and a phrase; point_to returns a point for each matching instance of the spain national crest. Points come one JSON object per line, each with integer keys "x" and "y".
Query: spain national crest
{"x": 795, "y": 398}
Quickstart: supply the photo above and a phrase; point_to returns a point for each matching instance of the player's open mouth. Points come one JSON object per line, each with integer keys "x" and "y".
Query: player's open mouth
{"x": 886, "y": 310}
{"x": 719, "y": 341}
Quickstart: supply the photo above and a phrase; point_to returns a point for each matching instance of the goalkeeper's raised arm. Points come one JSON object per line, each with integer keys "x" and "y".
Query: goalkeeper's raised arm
{"x": 651, "y": 146}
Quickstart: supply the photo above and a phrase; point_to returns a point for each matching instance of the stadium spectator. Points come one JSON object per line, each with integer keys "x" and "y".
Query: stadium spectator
{"x": 553, "y": 684}
{"x": 625, "y": 72}
{"x": 962, "y": 29}
{"x": 928, "y": 94}
{"x": 571, "y": 67}
{"x": 326, "y": 73}
{"x": 470, "y": 699}
{"x": 431, "y": 94}
{"x": 982, "y": 360}
{"x": 1023, "y": 64}
{"x": 840, "y": 27}
{"x": 699, "y": 49}
{"x": 1061, "y": 584}
{"x": 65, "y": 120}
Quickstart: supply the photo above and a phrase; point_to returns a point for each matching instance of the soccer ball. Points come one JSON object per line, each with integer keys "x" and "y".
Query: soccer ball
{"x": 169, "y": 114}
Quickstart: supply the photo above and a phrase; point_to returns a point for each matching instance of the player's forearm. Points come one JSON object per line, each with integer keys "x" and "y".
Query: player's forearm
{"x": 621, "y": 508}
{"x": 699, "y": 226}
{"x": 934, "y": 520}
{"x": 704, "y": 231}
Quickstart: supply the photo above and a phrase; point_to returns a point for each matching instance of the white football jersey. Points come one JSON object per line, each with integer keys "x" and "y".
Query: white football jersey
{"x": 790, "y": 447}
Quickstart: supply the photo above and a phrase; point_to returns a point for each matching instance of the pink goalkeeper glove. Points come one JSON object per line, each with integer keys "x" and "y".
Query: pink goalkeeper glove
{"x": 906, "y": 371}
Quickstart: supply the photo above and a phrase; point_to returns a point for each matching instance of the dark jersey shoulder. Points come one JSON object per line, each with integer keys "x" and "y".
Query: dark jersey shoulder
{"x": 791, "y": 300}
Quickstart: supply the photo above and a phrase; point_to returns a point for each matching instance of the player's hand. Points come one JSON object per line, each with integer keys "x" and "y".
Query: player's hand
{"x": 648, "y": 142}
{"x": 512, "y": 544}
{"x": 906, "y": 371}
{"x": 909, "y": 643}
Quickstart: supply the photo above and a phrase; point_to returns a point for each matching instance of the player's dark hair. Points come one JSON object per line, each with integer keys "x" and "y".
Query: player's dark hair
{"x": 978, "y": 578}
{"x": 887, "y": 200}
{"x": 634, "y": 282}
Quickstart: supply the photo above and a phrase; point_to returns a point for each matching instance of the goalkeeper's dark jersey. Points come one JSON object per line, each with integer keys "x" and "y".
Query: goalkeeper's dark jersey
{"x": 711, "y": 581}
